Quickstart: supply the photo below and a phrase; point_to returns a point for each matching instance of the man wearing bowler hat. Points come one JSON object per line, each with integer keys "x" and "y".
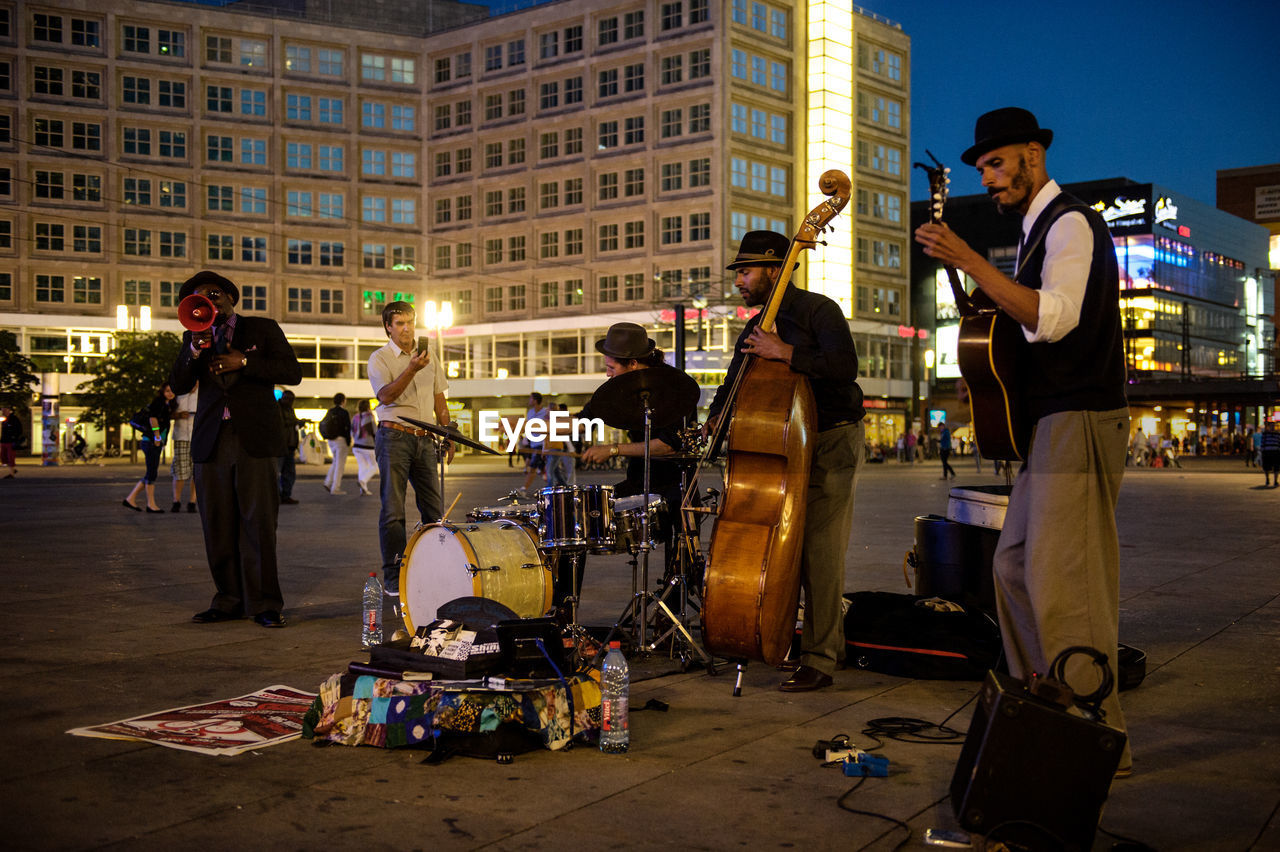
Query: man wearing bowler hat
{"x": 236, "y": 438}
{"x": 1057, "y": 564}
{"x": 626, "y": 348}
{"x": 811, "y": 337}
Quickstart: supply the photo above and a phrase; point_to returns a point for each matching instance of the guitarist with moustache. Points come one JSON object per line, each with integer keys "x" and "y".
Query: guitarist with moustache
{"x": 1057, "y": 563}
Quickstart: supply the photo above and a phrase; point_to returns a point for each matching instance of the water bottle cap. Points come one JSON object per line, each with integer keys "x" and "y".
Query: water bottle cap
{"x": 373, "y": 574}
{"x": 615, "y": 643}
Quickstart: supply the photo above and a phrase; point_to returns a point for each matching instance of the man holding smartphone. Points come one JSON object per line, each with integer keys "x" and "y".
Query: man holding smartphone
{"x": 408, "y": 382}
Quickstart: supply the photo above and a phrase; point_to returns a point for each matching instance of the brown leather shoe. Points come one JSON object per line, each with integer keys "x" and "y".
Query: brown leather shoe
{"x": 806, "y": 679}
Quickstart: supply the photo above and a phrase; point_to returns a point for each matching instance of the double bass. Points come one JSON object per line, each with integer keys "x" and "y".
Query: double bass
{"x": 751, "y": 587}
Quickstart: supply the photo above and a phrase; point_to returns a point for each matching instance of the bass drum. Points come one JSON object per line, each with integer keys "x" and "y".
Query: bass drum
{"x": 498, "y": 560}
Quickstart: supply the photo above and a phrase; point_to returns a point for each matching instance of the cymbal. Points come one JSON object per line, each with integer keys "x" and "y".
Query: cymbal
{"x": 451, "y": 434}
{"x": 671, "y": 394}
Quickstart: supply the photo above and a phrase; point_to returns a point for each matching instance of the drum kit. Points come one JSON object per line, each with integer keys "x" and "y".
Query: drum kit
{"x": 525, "y": 554}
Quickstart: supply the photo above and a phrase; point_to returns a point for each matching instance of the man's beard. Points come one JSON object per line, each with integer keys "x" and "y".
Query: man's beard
{"x": 1021, "y": 181}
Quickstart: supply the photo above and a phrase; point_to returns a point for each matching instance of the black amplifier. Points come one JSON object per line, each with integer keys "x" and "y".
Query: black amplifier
{"x": 1030, "y": 772}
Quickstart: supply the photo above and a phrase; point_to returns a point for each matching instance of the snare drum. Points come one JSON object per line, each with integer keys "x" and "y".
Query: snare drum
{"x": 597, "y": 521}
{"x": 628, "y": 515}
{"x": 561, "y": 517}
{"x": 498, "y": 560}
{"x": 525, "y": 512}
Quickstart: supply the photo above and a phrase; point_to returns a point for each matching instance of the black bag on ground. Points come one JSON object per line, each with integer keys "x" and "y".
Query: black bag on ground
{"x": 897, "y": 635}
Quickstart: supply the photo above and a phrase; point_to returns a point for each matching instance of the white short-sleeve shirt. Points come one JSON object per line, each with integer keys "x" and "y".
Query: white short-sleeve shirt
{"x": 418, "y": 399}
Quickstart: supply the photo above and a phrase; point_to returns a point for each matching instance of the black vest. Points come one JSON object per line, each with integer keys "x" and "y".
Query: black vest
{"x": 1085, "y": 370}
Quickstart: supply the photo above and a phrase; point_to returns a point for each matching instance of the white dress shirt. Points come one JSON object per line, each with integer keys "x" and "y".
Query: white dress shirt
{"x": 1067, "y": 258}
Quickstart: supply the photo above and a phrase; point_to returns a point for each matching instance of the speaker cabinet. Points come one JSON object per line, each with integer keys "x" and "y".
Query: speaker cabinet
{"x": 1028, "y": 767}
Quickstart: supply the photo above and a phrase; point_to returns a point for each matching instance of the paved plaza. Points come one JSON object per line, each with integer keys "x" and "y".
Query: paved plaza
{"x": 97, "y": 604}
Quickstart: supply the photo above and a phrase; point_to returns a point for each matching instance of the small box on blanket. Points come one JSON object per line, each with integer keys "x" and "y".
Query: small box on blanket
{"x": 447, "y": 649}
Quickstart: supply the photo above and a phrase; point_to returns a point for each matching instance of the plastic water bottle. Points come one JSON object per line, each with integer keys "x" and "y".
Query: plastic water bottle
{"x": 615, "y": 683}
{"x": 371, "y": 630}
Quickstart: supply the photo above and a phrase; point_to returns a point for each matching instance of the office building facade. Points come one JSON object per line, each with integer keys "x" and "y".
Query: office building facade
{"x": 544, "y": 173}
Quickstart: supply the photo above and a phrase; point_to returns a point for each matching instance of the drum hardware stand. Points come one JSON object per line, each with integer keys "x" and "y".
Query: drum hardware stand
{"x": 577, "y": 633}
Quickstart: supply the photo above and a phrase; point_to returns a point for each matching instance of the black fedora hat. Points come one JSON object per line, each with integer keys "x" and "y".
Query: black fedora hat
{"x": 1004, "y": 126}
{"x": 761, "y": 248}
{"x": 626, "y": 341}
{"x": 208, "y": 278}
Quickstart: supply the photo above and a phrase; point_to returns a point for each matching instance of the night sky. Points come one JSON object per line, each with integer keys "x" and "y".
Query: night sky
{"x": 1165, "y": 92}
{"x": 1159, "y": 92}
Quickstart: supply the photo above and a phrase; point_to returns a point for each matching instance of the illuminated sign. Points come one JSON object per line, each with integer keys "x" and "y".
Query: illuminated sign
{"x": 1123, "y": 212}
{"x": 1166, "y": 212}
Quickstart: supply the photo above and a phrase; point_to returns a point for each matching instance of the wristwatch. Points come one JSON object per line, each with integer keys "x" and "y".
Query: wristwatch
{"x": 613, "y": 451}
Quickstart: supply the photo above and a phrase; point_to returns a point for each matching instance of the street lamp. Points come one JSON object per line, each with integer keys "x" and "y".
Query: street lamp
{"x": 438, "y": 317}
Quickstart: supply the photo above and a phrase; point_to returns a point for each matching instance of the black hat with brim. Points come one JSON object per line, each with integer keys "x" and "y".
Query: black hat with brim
{"x": 1005, "y": 126}
{"x": 626, "y": 341}
{"x": 208, "y": 278}
{"x": 761, "y": 248}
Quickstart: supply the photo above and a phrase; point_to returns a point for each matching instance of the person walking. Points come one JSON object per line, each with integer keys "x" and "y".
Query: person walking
{"x": 363, "y": 435}
{"x": 944, "y": 451}
{"x": 336, "y": 429}
{"x": 184, "y": 410}
{"x": 151, "y": 440}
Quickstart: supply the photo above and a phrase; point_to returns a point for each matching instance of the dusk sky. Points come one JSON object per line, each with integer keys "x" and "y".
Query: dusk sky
{"x": 1165, "y": 92}
{"x": 1160, "y": 92}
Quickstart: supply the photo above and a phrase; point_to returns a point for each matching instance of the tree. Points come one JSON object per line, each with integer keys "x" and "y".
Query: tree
{"x": 128, "y": 376}
{"x": 17, "y": 373}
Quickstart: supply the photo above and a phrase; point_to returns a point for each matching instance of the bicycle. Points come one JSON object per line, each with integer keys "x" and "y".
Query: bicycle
{"x": 70, "y": 456}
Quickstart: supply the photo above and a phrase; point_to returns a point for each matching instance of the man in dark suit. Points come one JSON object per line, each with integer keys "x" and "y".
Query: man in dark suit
{"x": 236, "y": 438}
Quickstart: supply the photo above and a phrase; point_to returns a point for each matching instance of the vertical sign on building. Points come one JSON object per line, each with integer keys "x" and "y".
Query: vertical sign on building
{"x": 831, "y": 139}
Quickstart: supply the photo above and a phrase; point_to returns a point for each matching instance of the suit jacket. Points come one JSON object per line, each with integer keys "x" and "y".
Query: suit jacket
{"x": 249, "y": 394}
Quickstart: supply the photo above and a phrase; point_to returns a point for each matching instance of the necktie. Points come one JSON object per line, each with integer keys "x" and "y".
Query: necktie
{"x": 220, "y": 340}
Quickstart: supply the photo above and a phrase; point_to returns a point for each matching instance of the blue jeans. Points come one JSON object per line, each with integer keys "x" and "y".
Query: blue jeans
{"x": 403, "y": 459}
{"x": 288, "y": 472}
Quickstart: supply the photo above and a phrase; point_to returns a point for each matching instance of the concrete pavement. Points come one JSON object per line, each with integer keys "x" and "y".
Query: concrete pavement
{"x": 98, "y": 600}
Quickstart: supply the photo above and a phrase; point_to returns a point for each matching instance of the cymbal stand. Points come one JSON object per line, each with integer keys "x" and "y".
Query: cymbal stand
{"x": 678, "y": 584}
{"x": 576, "y": 631}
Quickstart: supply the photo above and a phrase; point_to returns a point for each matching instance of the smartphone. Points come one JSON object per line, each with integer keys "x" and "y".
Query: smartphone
{"x": 949, "y": 839}
{"x": 423, "y": 343}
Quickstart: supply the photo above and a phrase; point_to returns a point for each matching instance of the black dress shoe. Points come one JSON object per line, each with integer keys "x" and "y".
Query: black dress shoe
{"x": 269, "y": 618}
{"x": 177, "y": 507}
{"x": 806, "y": 679}
{"x": 129, "y": 505}
{"x": 191, "y": 508}
{"x": 151, "y": 511}
{"x": 213, "y": 614}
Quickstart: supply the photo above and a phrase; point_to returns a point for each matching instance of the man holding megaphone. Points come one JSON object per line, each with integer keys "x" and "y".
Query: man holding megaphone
{"x": 237, "y": 435}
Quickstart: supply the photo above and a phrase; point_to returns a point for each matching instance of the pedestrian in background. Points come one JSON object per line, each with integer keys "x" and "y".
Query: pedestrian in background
{"x": 362, "y": 445}
{"x": 151, "y": 440}
{"x": 1271, "y": 455}
{"x": 289, "y": 461}
{"x": 944, "y": 452}
{"x": 337, "y": 431}
{"x": 184, "y": 411}
{"x": 10, "y": 439}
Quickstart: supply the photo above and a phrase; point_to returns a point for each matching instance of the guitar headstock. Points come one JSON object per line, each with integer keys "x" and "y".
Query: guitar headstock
{"x": 939, "y": 179}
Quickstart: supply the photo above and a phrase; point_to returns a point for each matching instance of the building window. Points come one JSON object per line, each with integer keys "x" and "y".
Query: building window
{"x": 86, "y": 291}
{"x": 89, "y": 188}
{"x": 634, "y": 183}
{"x": 633, "y": 78}
{"x": 375, "y": 256}
{"x": 607, "y": 238}
{"x": 573, "y": 39}
{"x": 86, "y": 136}
{"x": 87, "y": 85}
{"x": 253, "y": 102}
{"x": 633, "y": 24}
{"x": 607, "y": 31}
{"x": 46, "y": 28}
{"x": 672, "y": 230}
{"x": 607, "y": 289}
{"x": 572, "y": 90}
{"x": 253, "y": 249}
{"x": 137, "y": 242}
{"x": 672, "y": 177}
{"x": 298, "y": 300}
{"x": 700, "y": 118}
{"x": 221, "y": 247}
{"x": 608, "y": 83}
{"x": 49, "y": 236}
{"x": 634, "y": 235}
{"x": 85, "y": 33}
{"x": 172, "y": 94}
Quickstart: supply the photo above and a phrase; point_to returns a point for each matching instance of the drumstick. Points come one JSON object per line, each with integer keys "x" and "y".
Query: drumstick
{"x": 452, "y": 505}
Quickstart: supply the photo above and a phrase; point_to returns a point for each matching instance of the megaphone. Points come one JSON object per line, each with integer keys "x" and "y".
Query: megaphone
{"x": 196, "y": 313}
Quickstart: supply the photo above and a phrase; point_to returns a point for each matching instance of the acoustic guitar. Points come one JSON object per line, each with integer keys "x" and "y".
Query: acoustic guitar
{"x": 991, "y": 352}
